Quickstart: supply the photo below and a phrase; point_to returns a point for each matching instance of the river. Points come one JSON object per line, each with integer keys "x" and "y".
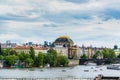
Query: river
{"x": 69, "y": 72}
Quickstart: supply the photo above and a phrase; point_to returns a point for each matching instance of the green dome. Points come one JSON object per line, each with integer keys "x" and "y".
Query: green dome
{"x": 64, "y": 39}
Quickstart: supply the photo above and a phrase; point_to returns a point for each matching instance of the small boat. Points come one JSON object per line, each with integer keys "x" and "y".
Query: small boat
{"x": 114, "y": 67}
{"x": 91, "y": 64}
{"x": 63, "y": 70}
{"x": 41, "y": 70}
{"x": 86, "y": 70}
{"x": 91, "y": 67}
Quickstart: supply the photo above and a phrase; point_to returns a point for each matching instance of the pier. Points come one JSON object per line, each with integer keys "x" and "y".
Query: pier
{"x": 101, "y": 77}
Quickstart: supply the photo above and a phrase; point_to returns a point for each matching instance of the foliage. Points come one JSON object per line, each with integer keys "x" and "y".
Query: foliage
{"x": 1, "y": 57}
{"x": 62, "y": 61}
{"x": 5, "y": 52}
{"x": 51, "y": 57}
{"x": 118, "y": 56}
{"x": 108, "y": 53}
{"x": 98, "y": 53}
{"x": 23, "y": 56}
{"x": 39, "y": 59}
{"x": 84, "y": 56}
{"x": 10, "y": 60}
{"x": 0, "y": 49}
{"x": 12, "y": 52}
{"x": 29, "y": 62}
{"x": 32, "y": 53}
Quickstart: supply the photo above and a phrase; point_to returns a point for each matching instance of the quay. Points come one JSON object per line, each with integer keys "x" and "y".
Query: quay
{"x": 46, "y": 79}
{"x": 101, "y": 77}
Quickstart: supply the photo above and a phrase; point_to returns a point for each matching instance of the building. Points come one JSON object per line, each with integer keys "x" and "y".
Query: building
{"x": 26, "y": 49}
{"x": 65, "y": 46}
{"x": 8, "y": 44}
{"x": 90, "y": 51}
{"x": 116, "y": 50}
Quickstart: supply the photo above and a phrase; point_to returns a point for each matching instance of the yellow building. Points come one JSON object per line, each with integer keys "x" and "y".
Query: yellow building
{"x": 117, "y": 52}
{"x": 26, "y": 49}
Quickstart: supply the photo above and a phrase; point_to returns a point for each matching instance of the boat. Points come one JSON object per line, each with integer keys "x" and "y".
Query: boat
{"x": 86, "y": 70}
{"x": 91, "y": 64}
{"x": 114, "y": 66}
{"x": 63, "y": 70}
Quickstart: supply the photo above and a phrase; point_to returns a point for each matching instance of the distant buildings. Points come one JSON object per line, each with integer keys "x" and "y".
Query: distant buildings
{"x": 8, "y": 44}
{"x": 116, "y": 50}
{"x": 64, "y": 45}
{"x": 90, "y": 51}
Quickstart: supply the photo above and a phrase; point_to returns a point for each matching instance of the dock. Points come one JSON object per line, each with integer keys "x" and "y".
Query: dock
{"x": 101, "y": 77}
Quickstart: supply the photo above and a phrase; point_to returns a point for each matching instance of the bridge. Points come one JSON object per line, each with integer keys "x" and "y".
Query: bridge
{"x": 98, "y": 61}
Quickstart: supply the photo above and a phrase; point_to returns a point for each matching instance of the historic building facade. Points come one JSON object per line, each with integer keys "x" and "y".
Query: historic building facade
{"x": 65, "y": 46}
{"x": 26, "y": 49}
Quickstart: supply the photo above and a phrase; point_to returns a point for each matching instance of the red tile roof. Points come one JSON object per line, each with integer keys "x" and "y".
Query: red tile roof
{"x": 28, "y": 47}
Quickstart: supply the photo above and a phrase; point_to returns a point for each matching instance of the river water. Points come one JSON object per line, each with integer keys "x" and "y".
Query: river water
{"x": 69, "y": 72}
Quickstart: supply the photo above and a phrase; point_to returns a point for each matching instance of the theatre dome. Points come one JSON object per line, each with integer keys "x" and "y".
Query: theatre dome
{"x": 64, "y": 41}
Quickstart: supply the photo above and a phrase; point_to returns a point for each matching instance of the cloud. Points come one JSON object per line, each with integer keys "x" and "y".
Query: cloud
{"x": 86, "y": 21}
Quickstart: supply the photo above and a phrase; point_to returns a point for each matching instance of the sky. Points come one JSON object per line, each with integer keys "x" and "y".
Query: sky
{"x": 88, "y": 22}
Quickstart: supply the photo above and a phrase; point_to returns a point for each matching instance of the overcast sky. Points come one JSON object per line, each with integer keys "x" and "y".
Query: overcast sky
{"x": 88, "y": 22}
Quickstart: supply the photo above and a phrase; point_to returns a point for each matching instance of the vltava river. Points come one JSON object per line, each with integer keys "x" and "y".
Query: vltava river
{"x": 70, "y": 72}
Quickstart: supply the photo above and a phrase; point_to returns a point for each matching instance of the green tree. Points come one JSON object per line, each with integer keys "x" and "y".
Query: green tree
{"x": 29, "y": 62}
{"x": 11, "y": 59}
{"x": 32, "y": 53}
{"x": 1, "y": 57}
{"x": 23, "y": 56}
{"x": 98, "y": 53}
{"x": 108, "y": 53}
{"x": 39, "y": 59}
{"x": 0, "y": 49}
{"x": 118, "y": 56}
{"x": 51, "y": 57}
{"x": 84, "y": 56}
{"x": 6, "y": 52}
{"x": 13, "y": 52}
{"x": 62, "y": 61}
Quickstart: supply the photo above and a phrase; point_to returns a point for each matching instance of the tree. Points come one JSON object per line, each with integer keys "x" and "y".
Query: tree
{"x": 108, "y": 53}
{"x": 32, "y": 53}
{"x": 0, "y": 49}
{"x": 6, "y": 52}
{"x": 29, "y": 62}
{"x": 39, "y": 59}
{"x": 97, "y": 55}
{"x": 1, "y": 57}
{"x": 84, "y": 56}
{"x": 52, "y": 51}
{"x": 51, "y": 57}
{"x": 23, "y": 56}
{"x": 10, "y": 60}
{"x": 13, "y": 52}
{"x": 118, "y": 56}
{"x": 62, "y": 61}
